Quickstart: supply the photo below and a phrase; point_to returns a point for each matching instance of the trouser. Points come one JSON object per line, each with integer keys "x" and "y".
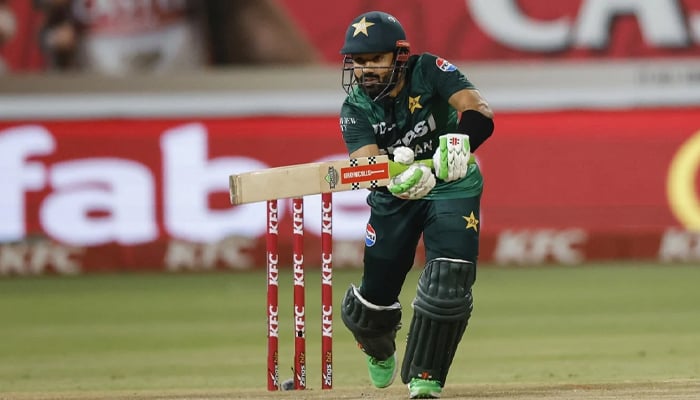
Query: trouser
{"x": 450, "y": 229}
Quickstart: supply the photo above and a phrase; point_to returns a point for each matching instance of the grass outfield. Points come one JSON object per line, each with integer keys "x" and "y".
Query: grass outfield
{"x": 556, "y": 332}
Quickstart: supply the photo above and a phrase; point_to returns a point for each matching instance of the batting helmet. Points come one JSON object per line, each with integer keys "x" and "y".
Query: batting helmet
{"x": 373, "y": 32}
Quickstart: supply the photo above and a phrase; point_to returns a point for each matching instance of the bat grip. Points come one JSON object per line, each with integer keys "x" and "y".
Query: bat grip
{"x": 396, "y": 168}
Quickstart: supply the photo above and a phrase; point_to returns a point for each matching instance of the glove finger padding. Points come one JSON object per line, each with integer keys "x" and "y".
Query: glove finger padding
{"x": 451, "y": 159}
{"x": 414, "y": 183}
{"x": 404, "y": 155}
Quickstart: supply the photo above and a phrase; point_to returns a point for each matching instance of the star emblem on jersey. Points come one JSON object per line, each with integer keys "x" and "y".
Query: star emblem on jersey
{"x": 414, "y": 103}
{"x": 361, "y": 27}
{"x": 472, "y": 222}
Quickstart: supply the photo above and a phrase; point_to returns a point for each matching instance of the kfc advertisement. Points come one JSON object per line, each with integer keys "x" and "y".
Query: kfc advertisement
{"x": 459, "y": 30}
{"x": 519, "y": 30}
{"x": 133, "y": 194}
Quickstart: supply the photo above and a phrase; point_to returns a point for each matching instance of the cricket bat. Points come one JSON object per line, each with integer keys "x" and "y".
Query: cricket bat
{"x": 314, "y": 178}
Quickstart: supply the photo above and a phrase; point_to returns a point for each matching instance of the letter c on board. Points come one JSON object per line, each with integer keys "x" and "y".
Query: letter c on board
{"x": 683, "y": 197}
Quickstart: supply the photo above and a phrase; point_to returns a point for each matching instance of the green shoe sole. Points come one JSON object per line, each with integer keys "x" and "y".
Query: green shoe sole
{"x": 424, "y": 389}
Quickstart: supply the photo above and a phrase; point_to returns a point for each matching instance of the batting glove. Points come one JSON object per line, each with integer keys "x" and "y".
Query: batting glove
{"x": 451, "y": 159}
{"x": 415, "y": 182}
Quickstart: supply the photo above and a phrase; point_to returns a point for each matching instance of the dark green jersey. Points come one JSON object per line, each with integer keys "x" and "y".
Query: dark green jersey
{"x": 415, "y": 118}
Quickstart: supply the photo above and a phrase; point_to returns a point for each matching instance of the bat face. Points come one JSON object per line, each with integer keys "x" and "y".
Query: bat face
{"x": 307, "y": 179}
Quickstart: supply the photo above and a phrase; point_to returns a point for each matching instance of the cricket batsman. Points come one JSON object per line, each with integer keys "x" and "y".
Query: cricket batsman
{"x": 413, "y": 107}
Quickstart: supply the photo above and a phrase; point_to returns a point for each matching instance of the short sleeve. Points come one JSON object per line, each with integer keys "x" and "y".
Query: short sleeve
{"x": 446, "y": 77}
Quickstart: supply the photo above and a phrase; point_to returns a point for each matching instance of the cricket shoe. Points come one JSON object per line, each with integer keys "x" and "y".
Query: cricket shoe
{"x": 424, "y": 389}
{"x": 382, "y": 373}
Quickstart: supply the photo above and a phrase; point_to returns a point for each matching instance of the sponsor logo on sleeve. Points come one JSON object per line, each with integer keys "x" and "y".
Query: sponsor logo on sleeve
{"x": 370, "y": 236}
{"x": 445, "y": 65}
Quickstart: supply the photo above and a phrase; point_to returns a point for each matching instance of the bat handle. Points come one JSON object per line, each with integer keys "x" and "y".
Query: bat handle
{"x": 397, "y": 168}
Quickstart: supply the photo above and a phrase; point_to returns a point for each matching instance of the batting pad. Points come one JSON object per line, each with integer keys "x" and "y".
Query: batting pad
{"x": 374, "y": 327}
{"x": 442, "y": 308}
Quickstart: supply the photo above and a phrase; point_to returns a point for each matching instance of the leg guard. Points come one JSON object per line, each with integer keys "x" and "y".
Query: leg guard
{"x": 374, "y": 327}
{"x": 442, "y": 308}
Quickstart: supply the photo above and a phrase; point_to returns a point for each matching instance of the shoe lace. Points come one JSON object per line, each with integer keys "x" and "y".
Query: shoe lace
{"x": 425, "y": 381}
{"x": 384, "y": 363}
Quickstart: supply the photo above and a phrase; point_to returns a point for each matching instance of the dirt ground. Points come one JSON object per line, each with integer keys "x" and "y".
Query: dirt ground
{"x": 669, "y": 390}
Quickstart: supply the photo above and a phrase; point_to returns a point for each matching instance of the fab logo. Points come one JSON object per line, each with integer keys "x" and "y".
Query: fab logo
{"x": 370, "y": 236}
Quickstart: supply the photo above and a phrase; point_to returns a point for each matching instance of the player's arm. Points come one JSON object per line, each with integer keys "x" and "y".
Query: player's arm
{"x": 477, "y": 116}
{"x": 367, "y": 150}
{"x": 470, "y": 99}
{"x": 452, "y": 157}
{"x": 451, "y": 84}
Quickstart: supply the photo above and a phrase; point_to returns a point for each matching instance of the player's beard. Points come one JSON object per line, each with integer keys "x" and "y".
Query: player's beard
{"x": 373, "y": 84}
